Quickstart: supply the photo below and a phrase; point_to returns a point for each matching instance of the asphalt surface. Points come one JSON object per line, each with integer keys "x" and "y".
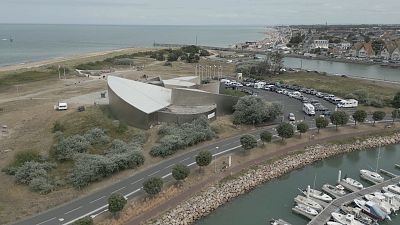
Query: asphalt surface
{"x": 95, "y": 204}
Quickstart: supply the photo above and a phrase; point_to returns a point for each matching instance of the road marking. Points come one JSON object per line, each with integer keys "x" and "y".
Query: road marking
{"x": 184, "y": 159}
{"x": 133, "y": 192}
{"x": 97, "y": 199}
{"x": 94, "y": 215}
{"x": 87, "y": 214}
{"x": 73, "y": 210}
{"x": 153, "y": 173}
{"x": 228, "y": 150}
{"x": 169, "y": 166}
{"x": 191, "y": 164}
{"x": 117, "y": 190}
{"x": 61, "y": 219}
{"x": 163, "y": 177}
{"x": 46, "y": 221}
{"x": 137, "y": 181}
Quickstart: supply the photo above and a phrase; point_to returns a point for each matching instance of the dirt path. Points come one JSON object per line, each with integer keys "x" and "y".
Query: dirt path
{"x": 236, "y": 169}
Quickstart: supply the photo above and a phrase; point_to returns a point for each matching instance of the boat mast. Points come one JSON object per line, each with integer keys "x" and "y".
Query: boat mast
{"x": 377, "y": 159}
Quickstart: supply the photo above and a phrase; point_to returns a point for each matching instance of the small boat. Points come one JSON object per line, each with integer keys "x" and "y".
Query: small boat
{"x": 353, "y": 183}
{"x": 357, "y": 212}
{"x": 380, "y": 201}
{"x": 333, "y": 223}
{"x": 388, "y": 199}
{"x": 318, "y": 195}
{"x": 279, "y": 222}
{"x": 337, "y": 191}
{"x": 308, "y": 202}
{"x": 396, "y": 196}
{"x": 345, "y": 219}
{"x": 372, "y": 210}
{"x": 306, "y": 210}
{"x": 394, "y": 188}
{"x": 371, "y": 176}
{"x": 4, "y": 39}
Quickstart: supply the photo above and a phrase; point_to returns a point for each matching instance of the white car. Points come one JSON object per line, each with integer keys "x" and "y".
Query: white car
{"x": 291, "y": 117}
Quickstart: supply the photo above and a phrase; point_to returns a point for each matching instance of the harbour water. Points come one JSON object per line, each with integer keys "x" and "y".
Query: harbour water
{"x": 350, "y": 69}
{"x": 275, "y": 199}
{"x": 38, "y": 42}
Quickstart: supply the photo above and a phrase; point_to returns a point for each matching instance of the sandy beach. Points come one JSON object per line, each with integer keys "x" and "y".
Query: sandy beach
{"x": 37, "y": 64}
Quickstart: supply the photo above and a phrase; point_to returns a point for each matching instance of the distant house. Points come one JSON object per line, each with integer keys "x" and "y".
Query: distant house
{"x": 324, "y": 44}
{"x": 385, "y": 54}
{"x": 362, "y": 50}
{"x": 395, "y": 55}
{"x": 345, "y": 45}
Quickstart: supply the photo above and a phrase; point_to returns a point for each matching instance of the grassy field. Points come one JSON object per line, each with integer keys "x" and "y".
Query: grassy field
{"x": 340, "y": 86}
{"x": 9, "y": 79}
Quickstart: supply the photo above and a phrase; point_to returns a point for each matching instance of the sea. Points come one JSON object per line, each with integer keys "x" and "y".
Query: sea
{"x": 35, "y": 42}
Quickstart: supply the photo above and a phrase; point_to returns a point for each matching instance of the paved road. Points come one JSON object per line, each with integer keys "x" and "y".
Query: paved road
{"x": 96, "y": 203}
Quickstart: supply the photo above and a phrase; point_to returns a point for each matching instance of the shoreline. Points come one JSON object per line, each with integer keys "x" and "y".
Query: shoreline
{"x": 216, "y": 195}
{"x": 45, "y": 62}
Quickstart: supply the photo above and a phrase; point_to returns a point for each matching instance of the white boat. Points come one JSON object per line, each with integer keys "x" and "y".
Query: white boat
{"x": 308, "y": 202}
{"x": 279, "y": 222}
{"x": 338, "y": 190}
{"x": 369, "y": 175}
{"x": 394, "y": 188}
{"x": 387, "y": 199}
{"x": 396, "y": 196}
{"x": 357, "y": 212}
{"x": 372, "y": 209}
{"x": 353, "y": 183}
{"x": 379, "y": 200}
{"x": 345, "y": 219}
{"x": 318, "y": 195}
{"x": 306, "y": 209}
{"x": 333, "y": 223}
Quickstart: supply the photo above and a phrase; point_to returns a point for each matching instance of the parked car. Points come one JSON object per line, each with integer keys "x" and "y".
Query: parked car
{"x": 328, "y": 97}
{"x": 327, "y": 113}
{"x": 319, "y": 95}
{"x": 291, "y": 117}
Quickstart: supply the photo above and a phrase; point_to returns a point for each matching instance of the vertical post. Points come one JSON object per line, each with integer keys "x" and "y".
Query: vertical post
{"x": 308, "y": 191}
{"x": 59, "y": 73}
{"x": 230, "y": 161}
{"x": 339, "y": 176}
{"x": 215, "y": 161}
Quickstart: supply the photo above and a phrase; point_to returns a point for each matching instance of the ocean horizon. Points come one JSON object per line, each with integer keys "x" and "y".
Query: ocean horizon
{"x": 37, "y": 42}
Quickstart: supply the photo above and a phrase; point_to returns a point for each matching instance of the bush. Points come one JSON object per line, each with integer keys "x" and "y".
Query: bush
{"x": 57, "y": 126}
{"x": 302, "y": 127}
{"x": 339, "y": 118}
{"x": 31, "y": 170}
{"x": 396, "y": 101}
{"x": 127, "y": 160}
{"x": 84, "y": 221}
{"x": 248, "y": 142}
{"x": 253, "y": 110}
{"x": 265, "y": 136}
{"x": 285, "y": 130}
{"x": 321, "y": 122}
{"x": 180, "y": 172}
{"x": 96, "y": 136}
{"x": 89, "y": 168}
{"x": 378, "y": 116}
{"x": 41, "y": 184}
{"x": 204, "y": 158}
{"x": 153, "y": 185}
{"x": 173, "y": 138}
{"x": 116, "y": 203}
{"x": 68, "y": 147}
{"x": 25, "y": 156}
{"x": 122, "y": 128}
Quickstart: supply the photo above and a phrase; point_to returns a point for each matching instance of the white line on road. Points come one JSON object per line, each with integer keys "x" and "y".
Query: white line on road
{"x": 97, "y": 199}
{"x": 73, "y": 210}
{"x": 163, "y": 177}
{"x": 184, "y": 159}
{"x": 94, "y": 215}
{"x": 191, "y": 164}
{"x": 153, "y": 173}
{"x": 46, "y": 221}
{"x": 87, "y": 214}
{"x": 137, "y": 181}
{"x": 133, "y": 192}
{"x": 228, "y": 150}
{"x": 117, "y": 190}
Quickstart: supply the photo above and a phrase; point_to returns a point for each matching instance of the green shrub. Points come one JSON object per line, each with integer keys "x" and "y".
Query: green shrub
{"x": 41, "y": 184}
{"x": 96, "y": 136}
{"x": 68, "y": 147}
{"x": 57, "y": 126}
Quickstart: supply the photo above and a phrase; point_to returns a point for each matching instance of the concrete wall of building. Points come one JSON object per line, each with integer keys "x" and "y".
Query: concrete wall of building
{"x": 129, "y": 114}
{"x": 169, "y": 117}
{"x": 186, "y": 97}
{"x": 212, "y": 87}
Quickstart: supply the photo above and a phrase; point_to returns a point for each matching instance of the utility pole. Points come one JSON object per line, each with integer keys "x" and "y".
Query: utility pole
{"x": 59, "y": 74}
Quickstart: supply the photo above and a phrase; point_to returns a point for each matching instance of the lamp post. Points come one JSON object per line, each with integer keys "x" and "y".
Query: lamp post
{"x": 215, "y": 162}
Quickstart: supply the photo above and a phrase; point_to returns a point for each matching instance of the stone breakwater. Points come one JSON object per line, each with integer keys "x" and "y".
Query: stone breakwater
{"x": 214, "y": 196}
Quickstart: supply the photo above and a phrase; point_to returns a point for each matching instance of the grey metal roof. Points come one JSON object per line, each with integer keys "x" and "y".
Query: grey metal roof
{"x": 145, "y": 97}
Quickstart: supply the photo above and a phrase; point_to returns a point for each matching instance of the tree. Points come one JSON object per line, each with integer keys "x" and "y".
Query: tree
{"x": 396, "y": 101}
{"x": 395, "y": 114}
{"x": 180, "y": 172}
{"x": 84, "y": 221}
{"x": 302, "y": 127}
{"x": 249, "y": 110}
{"x": 359, "y": 116}
{"x": 265, "y": 136}
{"x": 203, "y": 158}
{"x": 339, "y": 118}
{"x": 378, "y": 116}
{"x": 116, "y": 203}
{"x": 321, "y": 122}
{"x": 153, "y": 186}
{"x": 248, "y": 142}
{"x": 285, "y": 130}
{"x": 276, "y": 61}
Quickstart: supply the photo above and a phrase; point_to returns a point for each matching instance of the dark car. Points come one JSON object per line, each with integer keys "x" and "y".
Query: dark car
{"x": 327, "y": 113}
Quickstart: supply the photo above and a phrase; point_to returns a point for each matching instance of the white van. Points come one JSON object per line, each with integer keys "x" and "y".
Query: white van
{"x": 309, "y": 109}
{"x": 349, "y": 103}
{"x": 62, "y": 106}
{"x": 259, "y": 85}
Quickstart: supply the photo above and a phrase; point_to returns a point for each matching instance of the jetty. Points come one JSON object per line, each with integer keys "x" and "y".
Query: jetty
{"x": 324, "y": 216}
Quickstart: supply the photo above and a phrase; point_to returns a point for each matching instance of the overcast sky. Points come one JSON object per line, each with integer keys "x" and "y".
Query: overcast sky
{"x": 199, "y": 12}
